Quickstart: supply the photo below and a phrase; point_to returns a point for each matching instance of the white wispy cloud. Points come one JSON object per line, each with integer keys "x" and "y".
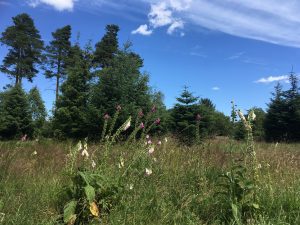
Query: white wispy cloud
{"x": 273, "y": 21}
{"x": 270, "y": 79}
{"x": 236, "y": 56}
{"x": 216, "y": 88}
{"x": 143, "y": 30}
{"x": 162, "y": 13}
{"x": 59, "y": 5}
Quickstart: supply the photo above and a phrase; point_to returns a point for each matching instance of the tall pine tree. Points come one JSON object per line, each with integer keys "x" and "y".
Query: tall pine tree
{"x": 25, "y": 46}
{"x": 107, "y": 47}
{"x": 57, "y": 55}
{"x": 70, "y": 116}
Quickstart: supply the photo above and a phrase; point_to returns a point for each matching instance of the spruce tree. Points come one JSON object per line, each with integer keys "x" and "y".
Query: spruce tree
{"x": 184, "y": 116}
{"x": 57, "y": 55}
{"x": 107, "y": 47}
{"x": 121, "y": 84}
{"x": 276, "y": 121}
{"x": 37, "y": 109}
{"x": 15, "y": 119}
{"x": 70, "y": 115}
{"x": 25, "y": 46}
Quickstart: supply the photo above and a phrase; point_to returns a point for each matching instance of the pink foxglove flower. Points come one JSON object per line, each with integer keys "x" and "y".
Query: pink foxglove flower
{"x": 106, "y": 116}
{"x": 157, "y": 121}
{"x": 118, "y": 108}
{"x": 142, "y": 126}
{"x": 198, "y": 117}
{"x": 159, "y": 142}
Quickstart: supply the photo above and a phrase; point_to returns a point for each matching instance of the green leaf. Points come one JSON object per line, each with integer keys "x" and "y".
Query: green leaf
{"x": 235, "y": 212}
{"x": 255, "y": 206}
{"x": 69, "y": 211}
{"x": 90, "y": 193}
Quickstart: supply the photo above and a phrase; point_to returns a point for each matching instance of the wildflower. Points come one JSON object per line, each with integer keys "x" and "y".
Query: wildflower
{"x": 151, "y": 150}
{"x": 259, "y": 166}
{"x": 79, "y": 146}
{"x": 149, "y": 142}
{"x": 142, "y": 126}
{"x": 121, "y": 163}
{"x": 157, "y": 121}
{"x": 198, "y": 117}
{"x": 106, "y": 116}
{"x": 241, "y": 115}
{"x": 93, "y": 164}
{"x": 127, "y": 125}
{"x": 141, "y": 114}
{"x": 148, "y": 172}
{"x": 166, "y": 139}
{"x": 159, "y": 142}
{"x": 155, "y": 159}
{"x": 130, "y": 186}
{"x": 85, "y": 153}
{"x": 34, "y": 153}
{"x": 118, "y": 108}
{"x": 153, "y": 109}
{"x": 251, "y": 116}
{"x": 147, "y": 136}
{"x": 24, "y": 138}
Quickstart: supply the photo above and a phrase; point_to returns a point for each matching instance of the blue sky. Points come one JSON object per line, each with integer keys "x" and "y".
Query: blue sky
{"x": 222, "y": 49}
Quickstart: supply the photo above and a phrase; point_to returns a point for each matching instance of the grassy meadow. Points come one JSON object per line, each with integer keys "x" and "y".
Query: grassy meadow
{"x": 182, "y": 185}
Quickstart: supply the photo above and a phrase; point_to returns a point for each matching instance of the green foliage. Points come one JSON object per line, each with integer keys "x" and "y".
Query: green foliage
{"x": 15, "y": 119}
{"x": 283, "y": 116}
{"x": 107, "y": 47}
{"x": 70, "y": 116}
{"x": 184, "y": 116}
{"x": 38, "y": 111}
{"x": 120, "y": 84}
{"x": 57, "y": 56}
{"x": 25, "y": 46}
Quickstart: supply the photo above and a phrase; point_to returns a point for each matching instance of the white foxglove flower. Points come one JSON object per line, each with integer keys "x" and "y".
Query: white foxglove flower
{"x": 147, "y": 136}
{"x": 130, "y": 186}
{"x": 121, "y": 163}
{"x": 166, "y": 139}
{"x": 251, "y": 116}
{"x": 149, "y": 142}
{"x": 79, "y": 146}
{"x": 148, "y": 172}
{"x": 159, "y": 142}
{"x": 127, "y": 125}
{"x": 93, "y": 164}
{"x": 34, "y": 153}
{"x": 85, "y": 153}
{"x": 241, "y": 115}
{"x": 151, "y": 150}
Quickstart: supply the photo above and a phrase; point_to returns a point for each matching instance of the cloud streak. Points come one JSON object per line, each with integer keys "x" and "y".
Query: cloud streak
{"x": 270, "y": 79}
{"x": 59, "y": 5}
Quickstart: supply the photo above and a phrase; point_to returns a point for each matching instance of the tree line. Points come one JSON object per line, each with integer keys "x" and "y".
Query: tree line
{"x": 93, "y": 83}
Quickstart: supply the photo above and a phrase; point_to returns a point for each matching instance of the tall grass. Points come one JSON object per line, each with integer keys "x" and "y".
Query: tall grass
{"x": 181, "y": 189}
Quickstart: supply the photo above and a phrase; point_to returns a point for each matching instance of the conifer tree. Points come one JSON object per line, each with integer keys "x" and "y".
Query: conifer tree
{"x": 37, "y": 109}
{"x": 25, "y": 46}
{"x": 121, "y": 84}
{"x": 276, "y": 122}
{"x": 15, "y": 119}
{"x": 107, "y": 47}
{"x": 70, "y": 115}
{"x": 184, "y": 116}
{"x": 57, "y": 55}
